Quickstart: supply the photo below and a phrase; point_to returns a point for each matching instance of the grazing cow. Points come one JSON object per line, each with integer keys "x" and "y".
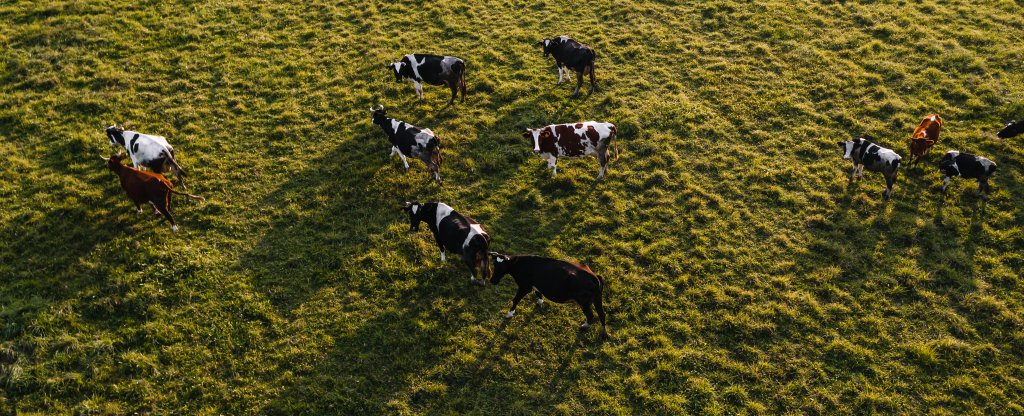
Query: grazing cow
{"x": 590, "y": 138}
{"x": 143, "y": 187}
{"x": 147, "y": 150}
{"x": 409, "y": 140}
{"x": 969, "y": 166}
{"x": 558, "y": 280}
{"x": 570, "y": 54}
{"x": 433, "y": 70}
{"x": 1011, "y": 129}
{"x": 873, "y": 157}
{"x": 925, "y": 136}
{"x": 453, "y": 232}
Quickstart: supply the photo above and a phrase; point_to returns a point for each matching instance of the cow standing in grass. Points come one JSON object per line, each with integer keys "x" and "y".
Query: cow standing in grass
{"x": 152, "y": 152}
{"x": 590, "y": 138}
{"x": 873, "y": 157}
{"x": 966, "y": 165}
{"x": 455, "y": 233}
{"x": 570, "y": 54}
{"x": 924, "y": 137}
{"x": 146, "y": 187}
{"x": 558, "y": 280}
{"x": 434, "y": 70}
{"x": 1011, "y": 129}
{"x": 409, "y": 140}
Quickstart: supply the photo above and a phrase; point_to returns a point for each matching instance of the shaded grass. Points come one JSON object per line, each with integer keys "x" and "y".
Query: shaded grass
{"x": 744, "y": 275}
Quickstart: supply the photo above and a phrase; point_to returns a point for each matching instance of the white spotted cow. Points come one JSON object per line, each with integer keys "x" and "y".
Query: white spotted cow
{"x": 969, "y": 166}
{"x": 433, "y": 70}
{"x": 409, "y": 140}
{"x": 150, "y": 151}
{"x": 590, "y": 138}
{"x": 874, "y": 158}
{"x": 455, "y": 233}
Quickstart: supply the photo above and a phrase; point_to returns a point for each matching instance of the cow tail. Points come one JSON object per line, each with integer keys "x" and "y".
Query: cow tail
{"x": 486, "y": 268}
{"x": 196, "y": 197}
{"x": 174, "y": 164}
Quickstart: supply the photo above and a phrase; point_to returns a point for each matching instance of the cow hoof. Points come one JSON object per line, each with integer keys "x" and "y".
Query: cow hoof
{"x": 138, "y": 211}
{"x": 584, "y": 326}
{"x": 540, "y": 302}
{"x": 174, "y": 228}
{"x": 510, "y": 314}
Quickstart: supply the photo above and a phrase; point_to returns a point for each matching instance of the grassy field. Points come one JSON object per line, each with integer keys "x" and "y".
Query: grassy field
{"x": 743, "y": 275}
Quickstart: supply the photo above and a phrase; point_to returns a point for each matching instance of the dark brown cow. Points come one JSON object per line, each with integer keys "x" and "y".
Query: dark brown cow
{"x": 925, "y": 136}
{"x": 590, "y": 138}
{"x": 143, "y": 187}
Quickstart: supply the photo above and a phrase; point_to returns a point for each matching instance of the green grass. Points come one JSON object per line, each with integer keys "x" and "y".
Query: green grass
{"x": 744, "y": 276}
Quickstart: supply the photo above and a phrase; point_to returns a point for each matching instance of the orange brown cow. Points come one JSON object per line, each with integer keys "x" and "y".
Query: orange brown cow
{"x": 925, "y": 136}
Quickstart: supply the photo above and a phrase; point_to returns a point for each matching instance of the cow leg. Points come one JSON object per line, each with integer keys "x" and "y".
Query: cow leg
{"x": 983, "y": 188}
{"x": 443, "y": 260}
{"x": 470, "y": 260}
{"x": 579, "y": 83}
{"x": 404, "y": 162}
{"x": 164, "y": 207}
{"x": 540, "y": 297}
{"x": 890, "y": 178}
{"x": 454, "y": 85}
{"x": 557, "y": 65}
{"x": 945, "y": 183}
{"x": 552, "y": 163}
{"x": 853, "y": 173}
{"x": 586, "y": 306}
{"x": 155, "y": 209}
{"x": 394, "y": 151}
{"x": 602, "y": 158}
{"x": 600, "y": 314}
{"x": 419, "y": 90}
{"x": 523, "y": 291}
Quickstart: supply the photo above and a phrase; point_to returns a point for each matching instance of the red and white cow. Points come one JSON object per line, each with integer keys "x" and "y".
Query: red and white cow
{"x": 589, "y": 138}
{"x": 925, "y": 136}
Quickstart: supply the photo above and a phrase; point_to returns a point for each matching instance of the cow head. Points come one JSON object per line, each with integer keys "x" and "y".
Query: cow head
{"x": 396, "y": 68}
{"x": 500, "y": 268}
{"x": 115, "y": 134}
{"x": 545, "y": 45}
{"x": 415, "y": 211}
{"x": 379, "y": 114}
{"x": 848, "y": 146}
{"x": 533, "y": 134}
{"x": 114, "y": 161}
{"x": 947, "y": 165}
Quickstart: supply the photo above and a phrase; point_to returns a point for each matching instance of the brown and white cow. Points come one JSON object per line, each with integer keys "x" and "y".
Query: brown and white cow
{"x": 589, "y": 138}
{"x": 925, "y": 136}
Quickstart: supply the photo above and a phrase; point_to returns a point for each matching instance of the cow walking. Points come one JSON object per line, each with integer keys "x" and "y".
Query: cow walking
{"x": 590, "y": 138}
{"x": 409, "y": 140}
{"x": 433, "y": 70}
{"x": 147, "y": 150}
{"x": 969, "y": 166}
{"x": 873, "y": 157}
{"x": 146, "y": 187}
{"x": 455, "y": 233}
{"x": 570, "y": 54}
{"x": 558, "y": 280}
{"x": 924, "y": 137}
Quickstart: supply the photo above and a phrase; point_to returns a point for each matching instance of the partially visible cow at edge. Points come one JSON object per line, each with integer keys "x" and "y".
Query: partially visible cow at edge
{"x": 590, "y": 138}
{"x": 453, "y": 232}
{"x": 433, "y": 70}
{"x": 558, "y": 280}
{"x": 570, "y": 54}
{"x": 873, "y": 157}
{"x": 1011, "y": 129}
{"x": 152, "y": 152}
{"x": 924, "y": 137}
{"x": 969, "y": 166}
{"x": 409, "y": 140}
{"x": 146, "y": 187}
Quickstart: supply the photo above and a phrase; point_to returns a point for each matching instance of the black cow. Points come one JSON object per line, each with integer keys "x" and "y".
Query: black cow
{"x": 570, "y": 54}
{"x": 873, "y": 157}
{"x": 453, "y": 232}
{"x": 965, "y": 165}
{"x": 433, "y": 70}
{"x": 409, "y": 140}
{"x": 558, "y": 280}
{"x": 1012, "y": 129}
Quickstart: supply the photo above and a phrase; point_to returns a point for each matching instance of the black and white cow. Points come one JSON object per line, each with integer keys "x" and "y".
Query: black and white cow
{"x": 570, "y": 54}
{"x": 152, "y": 152}
{"x": 409, "y": 140}
{"x": 589, "y": 138}
{"x": 455, "y": 233}
{"x": 1011, "y": 129}
{"x": 558, "y": 280}
{"x": 873, "y": 157}
{"x": 433, "y": 70}
{"x": 968, "y": 166}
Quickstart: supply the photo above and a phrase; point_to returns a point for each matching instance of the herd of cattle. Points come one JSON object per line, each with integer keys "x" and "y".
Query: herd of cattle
{"x": 557, "y": 280}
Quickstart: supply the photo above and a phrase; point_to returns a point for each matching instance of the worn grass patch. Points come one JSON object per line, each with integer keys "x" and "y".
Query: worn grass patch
{"x": 744, "y": 276}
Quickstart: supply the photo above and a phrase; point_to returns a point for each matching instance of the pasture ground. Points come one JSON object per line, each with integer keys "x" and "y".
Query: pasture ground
{"x": 744, "y": 276}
